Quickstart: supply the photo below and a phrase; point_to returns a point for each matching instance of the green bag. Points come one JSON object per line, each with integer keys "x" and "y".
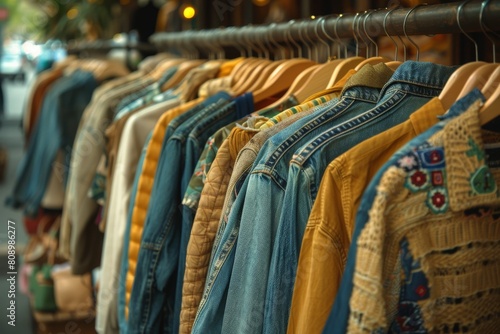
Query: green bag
{"x": 40, "y": 282}
{"x": 42, "y": 288}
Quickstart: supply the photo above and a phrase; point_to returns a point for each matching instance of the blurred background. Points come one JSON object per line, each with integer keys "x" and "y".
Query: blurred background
{"x": 36, "y": 33}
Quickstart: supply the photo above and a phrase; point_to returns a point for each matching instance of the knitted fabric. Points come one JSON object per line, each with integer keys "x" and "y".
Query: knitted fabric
{"x": 442, "y": 201}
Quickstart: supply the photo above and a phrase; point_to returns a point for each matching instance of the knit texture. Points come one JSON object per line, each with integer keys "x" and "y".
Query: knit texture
{"x": 442, "y": 201}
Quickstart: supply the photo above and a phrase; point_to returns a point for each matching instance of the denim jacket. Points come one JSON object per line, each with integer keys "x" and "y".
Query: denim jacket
{"x": 55, "y": 130}
{"x": 204, "y": 127}
{"x": 153, "y": 293}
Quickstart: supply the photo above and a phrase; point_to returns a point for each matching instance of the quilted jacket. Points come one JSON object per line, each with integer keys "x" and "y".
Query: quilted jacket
{"x": 206, "y": 224}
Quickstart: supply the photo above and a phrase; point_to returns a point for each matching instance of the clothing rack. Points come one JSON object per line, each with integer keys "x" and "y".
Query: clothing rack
{"x": 419, "y": 20}
{"x": 101, "y": 48}
{"x": 104, "y": 46}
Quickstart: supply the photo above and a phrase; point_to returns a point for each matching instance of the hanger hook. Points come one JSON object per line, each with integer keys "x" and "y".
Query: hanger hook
{"x": 189, "y": 47}
{"x": 197, "y": 52}
{"x": 384, "y": 24}
{"x": 302, "y": 40}
{"x": 314, "y": 46}
{"x": 281, "y": 47}
{"x": 305, "y": 39}
{"x": 288, "y": 46}
{"x": 321, "y": 21}
{"x": 253, "y": 38}
{"x": 221, "y": 53}
{"x": 366, "y": 32}
{"x": 459, "y": 10}
{"x": 404, "y": 30}
{"x": 233, "y": 32}
{"x": 297, "y": 45}
{"x": 261, "y": 42}
{"x": 338, "y": 38}
{"x": 361, "y": 18}
{"x": 354, "y": 33}
{"x": 246, "y": 39}
{"x": 484, "y": 4}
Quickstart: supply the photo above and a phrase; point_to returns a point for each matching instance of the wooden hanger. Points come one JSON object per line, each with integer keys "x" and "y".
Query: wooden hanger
{"x": 491, "y": 85}
{"x": 455, "y": 83}
{"x": 491, "y": 108}
{"x": 372, "y": 61}
{"x": 393, "y": 65}
{"x": 163, "y": 66}
{"x": 317, "y": 81}
{"x": 341, "y": 70}
{"x": 281, "y": 79}
{"x": 255, "y": 73}
{"x": 297, "y": 84}
{"x": 245, "y": 73}
{"x": 478, "y": 79}
{"x": 257, "y": 82}
{"x": 181, "y": 72}
{"x": 105, "y": 69}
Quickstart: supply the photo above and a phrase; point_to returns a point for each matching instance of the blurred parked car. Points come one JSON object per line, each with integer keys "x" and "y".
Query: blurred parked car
{"x": 12, "y": 66}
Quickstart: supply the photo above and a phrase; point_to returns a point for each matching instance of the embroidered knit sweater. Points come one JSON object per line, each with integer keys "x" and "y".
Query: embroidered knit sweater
{"x": 428, "y": 259}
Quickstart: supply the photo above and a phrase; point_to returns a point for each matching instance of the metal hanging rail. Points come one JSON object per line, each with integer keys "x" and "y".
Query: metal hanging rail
{"x": 422, "y": 20}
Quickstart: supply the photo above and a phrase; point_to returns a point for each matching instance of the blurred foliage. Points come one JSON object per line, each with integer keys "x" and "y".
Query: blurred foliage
{"x": 24, "y": 20}
{"x": 60, "y": 19}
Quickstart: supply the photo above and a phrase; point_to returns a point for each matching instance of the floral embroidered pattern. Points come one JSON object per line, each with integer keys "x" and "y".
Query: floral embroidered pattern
{"x": 408, "y": 162}
{"x": 421, "y": 291}
{"x": 417, "y": 180}
{"x": 437, "y": 200}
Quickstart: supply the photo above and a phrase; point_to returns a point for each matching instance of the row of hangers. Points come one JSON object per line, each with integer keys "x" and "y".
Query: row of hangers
{"x": 303, "y": 77}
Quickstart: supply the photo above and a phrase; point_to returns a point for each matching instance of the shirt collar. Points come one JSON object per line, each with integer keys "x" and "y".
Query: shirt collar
{"x": 373, "y": 76}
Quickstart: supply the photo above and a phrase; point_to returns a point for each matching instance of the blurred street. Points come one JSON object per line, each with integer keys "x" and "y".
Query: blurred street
{"x": 12, "y": 139}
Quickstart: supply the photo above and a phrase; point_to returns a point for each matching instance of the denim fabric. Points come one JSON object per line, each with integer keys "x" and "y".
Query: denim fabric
{"x": 155, "y": 88}
{"x": 211, "y": 309}
{"x": 204, "y": 127}
{"x": 222, "y": 263}
{"x": 266, "y": 190}
{"x": 401, "y": 98}
{"x": 55, "y": 130}
{"x": 122, "y": 321}
{"x": 153, "y": 293}
{"x": 339, "y": 315}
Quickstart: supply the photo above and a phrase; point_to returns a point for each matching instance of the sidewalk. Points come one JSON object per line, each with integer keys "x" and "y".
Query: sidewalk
{"x": 12, "y": 139}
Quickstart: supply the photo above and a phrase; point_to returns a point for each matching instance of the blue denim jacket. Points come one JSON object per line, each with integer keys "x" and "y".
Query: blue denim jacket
{"x": 55, "y": 130}
{"x": 266, "y": 190}
{"x": 154, "y": 290}
{"x": 339, "y": 315}
{"x": 221, "y": 266}
{"x": 211, "y": 309}
{"x": 405, "y": 92}
{"x": 122, "y": 321}
{"x": 205, "y": 126}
